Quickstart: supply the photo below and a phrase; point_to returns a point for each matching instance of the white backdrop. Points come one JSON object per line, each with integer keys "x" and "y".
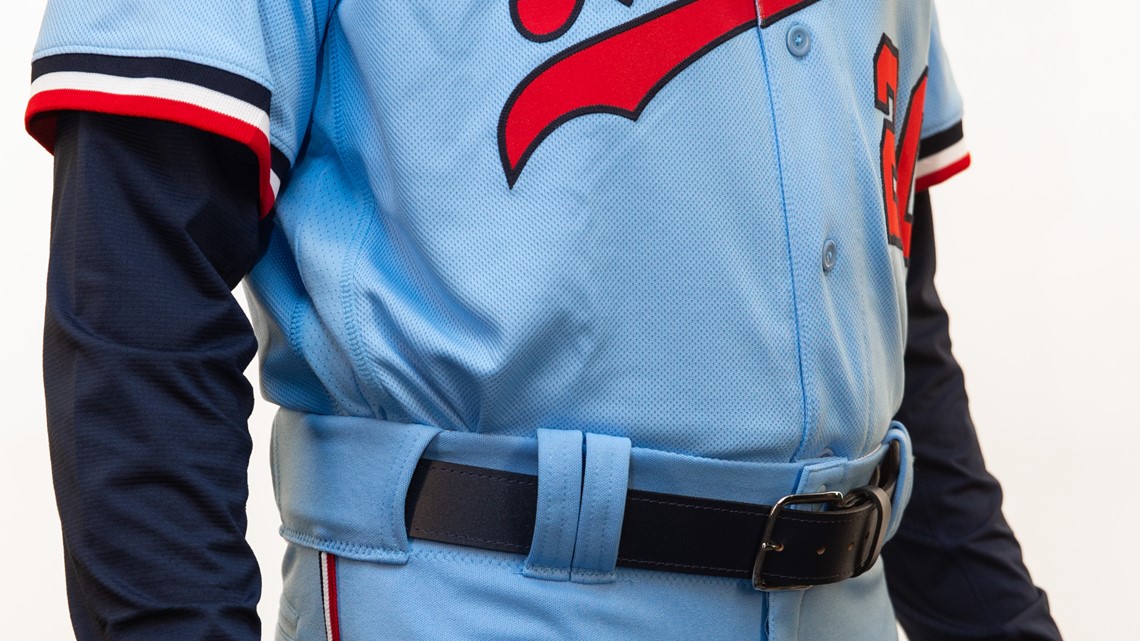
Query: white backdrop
{"x": 1038, "y": 251}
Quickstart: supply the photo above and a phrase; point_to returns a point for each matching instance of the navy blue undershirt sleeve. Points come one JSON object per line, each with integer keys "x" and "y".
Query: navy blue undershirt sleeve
{"x": 954, "y": 570}
{"x": 153, "y": 224}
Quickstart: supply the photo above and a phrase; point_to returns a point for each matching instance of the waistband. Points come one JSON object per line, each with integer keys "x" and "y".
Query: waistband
{"x": 341, "y": 482}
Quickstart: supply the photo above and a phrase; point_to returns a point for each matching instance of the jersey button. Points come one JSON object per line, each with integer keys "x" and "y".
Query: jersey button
{"x": 830, "y": 254}
{"x": 799, "y": 41}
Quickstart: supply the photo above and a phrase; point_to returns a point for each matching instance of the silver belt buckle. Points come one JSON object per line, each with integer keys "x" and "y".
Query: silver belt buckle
{"x": 766, "y": 544}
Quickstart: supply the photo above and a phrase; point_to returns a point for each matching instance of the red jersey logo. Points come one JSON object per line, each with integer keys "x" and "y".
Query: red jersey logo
{"x": 617, "y": 71}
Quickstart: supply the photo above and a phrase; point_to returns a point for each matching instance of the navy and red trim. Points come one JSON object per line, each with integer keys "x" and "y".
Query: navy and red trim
{"x": 204, "y": 97}
{"x": 941, "y": 156}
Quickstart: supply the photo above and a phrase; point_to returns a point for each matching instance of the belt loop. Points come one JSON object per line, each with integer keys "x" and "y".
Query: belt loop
{"x": 603, "y": 508}
{"x": 905, "y": 483}
{"x": 342, "y": 482}
{"x": 559, "y": 499}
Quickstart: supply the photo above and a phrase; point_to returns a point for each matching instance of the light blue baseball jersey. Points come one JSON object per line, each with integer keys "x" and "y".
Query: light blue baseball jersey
{"x": 680, "y": 223}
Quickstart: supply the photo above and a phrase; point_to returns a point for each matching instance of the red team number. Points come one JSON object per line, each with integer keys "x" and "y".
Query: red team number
{"x": 898, "y": 157}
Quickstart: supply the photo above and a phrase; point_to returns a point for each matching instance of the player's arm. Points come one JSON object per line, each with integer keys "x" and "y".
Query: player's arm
{"x": 954, "y": 569}
{"x": 153, "y": 225}
{"x": 155, "y": 221}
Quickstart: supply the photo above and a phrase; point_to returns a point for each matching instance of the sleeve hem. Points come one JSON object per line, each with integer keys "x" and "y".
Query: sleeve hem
{"x": 941, "y": 157}
{"x": 168, "y": 89}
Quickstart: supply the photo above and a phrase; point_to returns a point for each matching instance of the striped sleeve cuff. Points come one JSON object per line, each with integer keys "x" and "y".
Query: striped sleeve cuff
{"x": 189, "y": 93}
{"x": 940, "y": 157}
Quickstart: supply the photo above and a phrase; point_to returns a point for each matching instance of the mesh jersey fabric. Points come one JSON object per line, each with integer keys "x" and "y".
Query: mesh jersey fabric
{"x": 657, "y": 278}
{"x": 669, "y": 221}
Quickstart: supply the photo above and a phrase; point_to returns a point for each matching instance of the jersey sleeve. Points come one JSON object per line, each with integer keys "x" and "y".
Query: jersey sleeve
{"x": 943, "y": 152}
{"x": 242, "y": 69}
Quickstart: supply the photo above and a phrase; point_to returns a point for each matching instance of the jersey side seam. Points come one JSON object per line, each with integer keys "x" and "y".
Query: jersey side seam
{"x": 367, "y": 386}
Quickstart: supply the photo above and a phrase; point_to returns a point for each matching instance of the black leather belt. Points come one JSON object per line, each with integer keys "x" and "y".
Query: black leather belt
{"x": 778, "y": 548}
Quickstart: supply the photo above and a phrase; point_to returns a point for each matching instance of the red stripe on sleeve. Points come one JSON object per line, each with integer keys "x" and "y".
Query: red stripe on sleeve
{"x": 942, "y": 175}
{"x": 40, "y": 121}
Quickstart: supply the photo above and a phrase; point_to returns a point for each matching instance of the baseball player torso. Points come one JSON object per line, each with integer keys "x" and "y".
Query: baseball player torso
{"x": 658, "y": 220}
{"x": 682, "y": 221}
{"x": 678, "y": 222}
